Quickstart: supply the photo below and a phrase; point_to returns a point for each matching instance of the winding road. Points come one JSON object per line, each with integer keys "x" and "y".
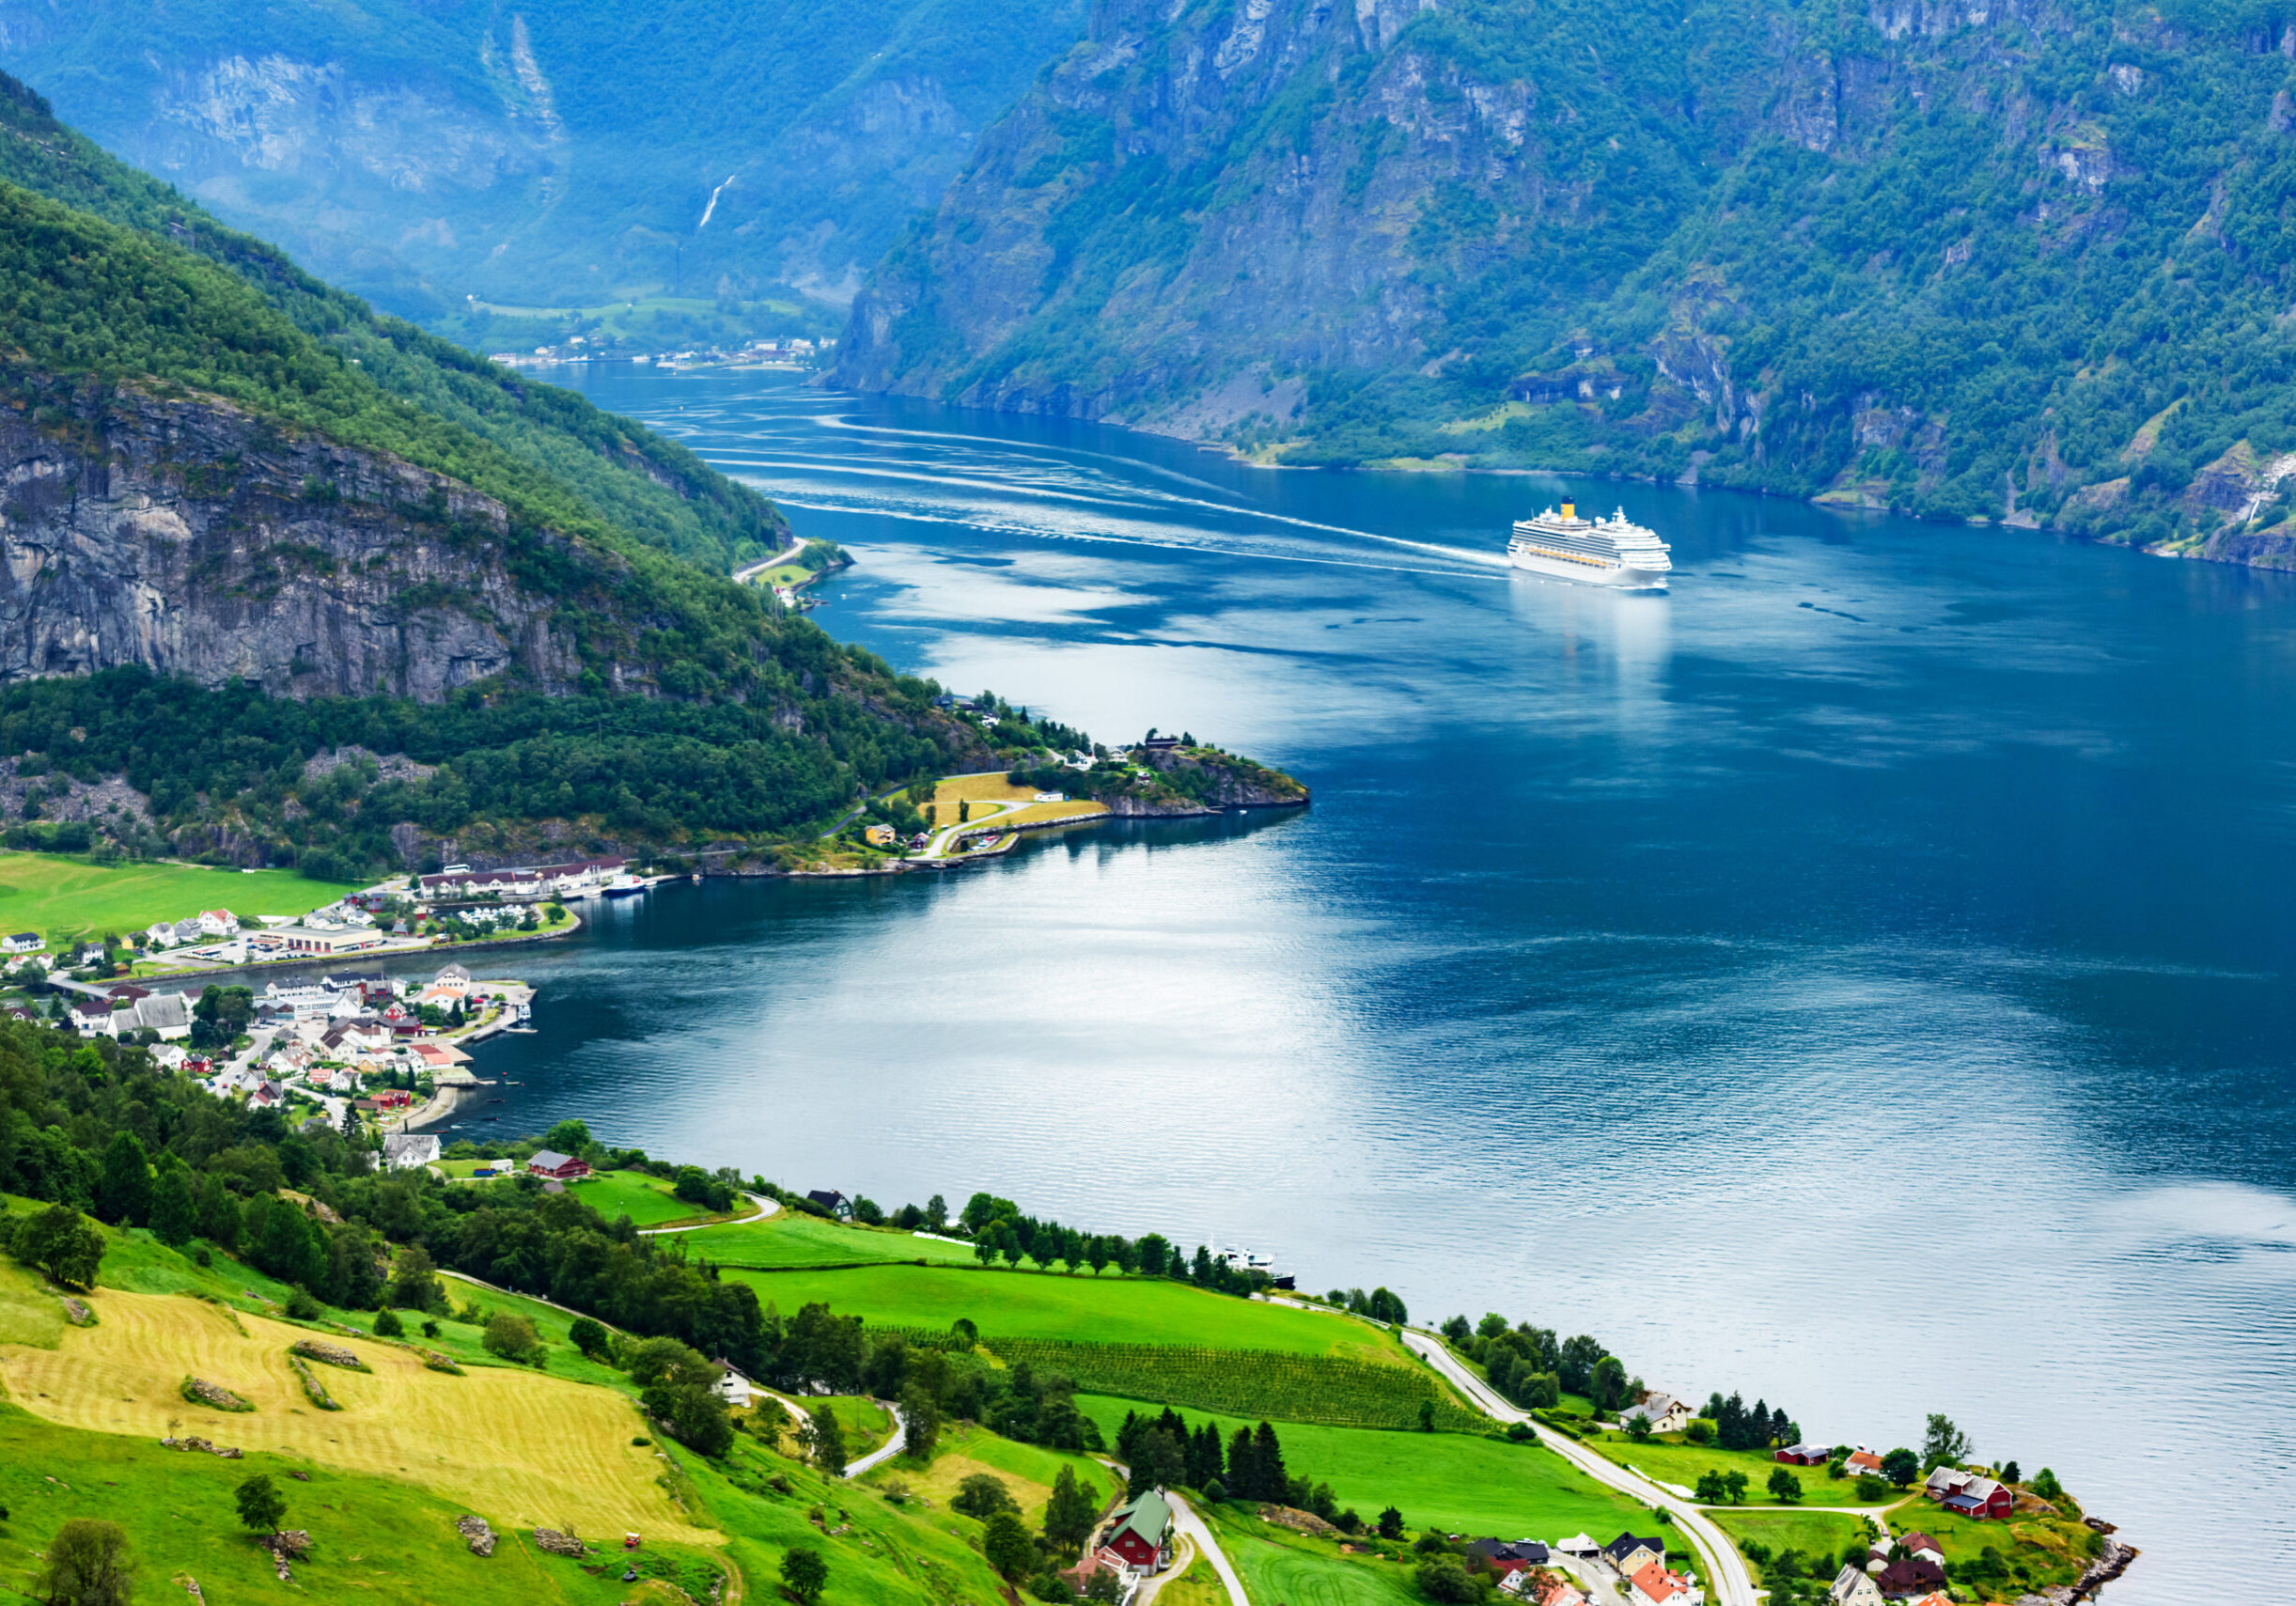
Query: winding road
{"x": 1730, "y": 1583}
{"x": 765, "y": 1207}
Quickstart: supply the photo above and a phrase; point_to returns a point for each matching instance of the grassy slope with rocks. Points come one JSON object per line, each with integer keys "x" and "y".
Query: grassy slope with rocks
{"x": 2025, "y": 263}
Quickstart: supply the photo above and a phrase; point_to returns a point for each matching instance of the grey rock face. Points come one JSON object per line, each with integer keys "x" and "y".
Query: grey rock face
{"x": 194, "y": 541}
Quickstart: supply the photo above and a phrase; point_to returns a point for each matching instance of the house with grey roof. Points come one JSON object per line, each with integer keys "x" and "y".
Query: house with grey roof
{"x": 404, "y": 1151}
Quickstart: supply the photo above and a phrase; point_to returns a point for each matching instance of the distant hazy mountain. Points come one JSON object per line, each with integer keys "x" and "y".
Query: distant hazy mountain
{"x": 421, "y": 151}
{"x": 2022, "y": 261}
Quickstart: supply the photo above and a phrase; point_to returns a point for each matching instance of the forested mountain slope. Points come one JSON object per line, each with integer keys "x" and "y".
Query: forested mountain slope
{"x": 421, "y": 153}
{"x": 646, "y": 487}
{"x": 2029, "y": 261}
{"x": 248, "y": 527}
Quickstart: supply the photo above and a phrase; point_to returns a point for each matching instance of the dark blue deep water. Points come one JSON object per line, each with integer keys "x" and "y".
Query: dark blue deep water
{"x": 1860, "y": 979}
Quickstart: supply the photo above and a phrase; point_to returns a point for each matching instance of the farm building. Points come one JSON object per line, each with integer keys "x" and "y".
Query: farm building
{"x": 1140, "y": 1533}
{"x": 550, "y": 1162}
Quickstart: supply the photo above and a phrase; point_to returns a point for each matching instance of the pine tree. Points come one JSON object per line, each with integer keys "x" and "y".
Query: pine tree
{"x": 175, "y": 1212}
{"x": 1274, "y": 1483}
{"x": 1243, "y": 1466}
{"x": 123, "y": 1190}
{"x": 219, "y": 1213}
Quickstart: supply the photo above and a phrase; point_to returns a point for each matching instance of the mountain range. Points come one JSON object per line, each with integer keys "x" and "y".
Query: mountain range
{"x": 442, "y": 156}
{"x": 2024, "y": 262}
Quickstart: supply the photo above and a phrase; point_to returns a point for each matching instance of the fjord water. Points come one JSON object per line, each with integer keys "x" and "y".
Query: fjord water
{"x": 1859, "y": 978}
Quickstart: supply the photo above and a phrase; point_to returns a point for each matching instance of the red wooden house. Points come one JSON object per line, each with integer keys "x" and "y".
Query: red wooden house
{"x": 550, "y": 1162}
{"x": 1141, "y": 1533}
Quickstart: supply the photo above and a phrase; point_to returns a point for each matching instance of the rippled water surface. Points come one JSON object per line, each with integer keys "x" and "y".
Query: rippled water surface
{"x": 1859, "y": 978}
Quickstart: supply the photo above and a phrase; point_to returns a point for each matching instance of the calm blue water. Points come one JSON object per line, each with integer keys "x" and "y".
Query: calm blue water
{"x": 1859, "y": 978}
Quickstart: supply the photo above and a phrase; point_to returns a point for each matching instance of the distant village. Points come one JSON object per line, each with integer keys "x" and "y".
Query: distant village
{"x": 795, "y": 352}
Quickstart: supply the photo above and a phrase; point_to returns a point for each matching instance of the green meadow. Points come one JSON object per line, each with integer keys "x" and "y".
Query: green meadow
{"x": 1813, "y": 1532}
{"x": 1462, "y": 1482}
{"x": 52, "y": 894}
{"x": 1279, "y": 1566}
{"x": 1056, "y": 1304}
{"x": 1670, "y": 1462}
{"x": 791, "y": 1239}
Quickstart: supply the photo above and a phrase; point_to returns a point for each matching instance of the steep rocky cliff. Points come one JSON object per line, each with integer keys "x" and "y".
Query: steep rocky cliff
{"x": 2022, "y": 262}
{"x": 188, "y": 538}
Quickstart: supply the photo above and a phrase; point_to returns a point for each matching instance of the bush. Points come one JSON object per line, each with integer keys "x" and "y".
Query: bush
{"x": 512, "y": 1337}
{"x": 301, "y": 1306}
{"x": 387, "y": 1324}
{"x": 982, "y": 1496}
{"x": 1872, "y": 1490}
{"x": 1444, "y": 1578}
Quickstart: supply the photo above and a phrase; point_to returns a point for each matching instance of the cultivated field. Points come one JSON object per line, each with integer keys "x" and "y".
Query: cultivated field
{"x": 522, "y": 1449}
{"x": 1255, "y": 1382}
{"x": 974, "y": 788}
{"x": 1464, "y": 1483}
{"x": 48, "y": 893}
{"x": 1054, "y": 1304}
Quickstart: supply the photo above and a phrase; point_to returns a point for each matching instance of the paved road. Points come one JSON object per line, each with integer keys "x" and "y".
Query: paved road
{"x": 765, "y": 1207}
{"x": 1198, "y": 1533}
{"x": 891, "y": 1448}
{"x": 1195, "y": 1528}
{"x": 1728, "y": 1582}
{"x": 750, "y": 571}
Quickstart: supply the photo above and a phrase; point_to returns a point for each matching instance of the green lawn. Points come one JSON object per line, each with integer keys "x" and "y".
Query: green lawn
{"x": 2050, "y": 1550}
{"x": 1458, "y": 1482}
{"x": 1670, "y": 1462}
{"x": 790, "y": 1239}
{"x": 646, "y": 1200}
{"x": 1053, "y": 1304}
{"x": 65, "y": 896}
{"x": 1815, "y": 1534}
{"x": 1278, "y": 1565}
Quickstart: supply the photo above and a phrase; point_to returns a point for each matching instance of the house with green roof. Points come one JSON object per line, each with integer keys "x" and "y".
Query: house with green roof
{"x": 1140, "y": 1532}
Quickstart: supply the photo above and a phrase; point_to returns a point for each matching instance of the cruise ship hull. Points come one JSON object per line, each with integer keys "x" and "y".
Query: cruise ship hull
{"x": 1617, "y": 576}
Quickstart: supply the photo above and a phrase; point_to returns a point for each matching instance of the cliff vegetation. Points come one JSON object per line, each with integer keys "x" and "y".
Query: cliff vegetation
{"x": 2027, "y": 263}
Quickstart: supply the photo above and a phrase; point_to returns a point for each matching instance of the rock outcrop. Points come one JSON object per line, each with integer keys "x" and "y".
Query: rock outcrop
{"x": 189, "y": 537}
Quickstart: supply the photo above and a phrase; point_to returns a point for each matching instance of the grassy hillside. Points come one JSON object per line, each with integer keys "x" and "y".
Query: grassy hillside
{"x": 1462, "y": 1482}
{"x": 790, "y": 1239}
{"x": 1036, "y": 1304}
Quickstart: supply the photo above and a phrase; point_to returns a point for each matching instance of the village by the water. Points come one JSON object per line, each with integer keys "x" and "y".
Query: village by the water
{"x": 297, "y": 1014}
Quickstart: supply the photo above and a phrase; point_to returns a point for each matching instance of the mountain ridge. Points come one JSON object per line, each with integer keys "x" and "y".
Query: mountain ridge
{"x": 2020, "y": 264}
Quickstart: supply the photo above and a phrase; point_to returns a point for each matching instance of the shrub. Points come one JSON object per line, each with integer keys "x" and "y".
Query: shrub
{"x": 1444, "y": 1578}
{"x": 982, "y": 1496}
{"x": 387, "y": 1324}
{"x": 512, "y": 1337}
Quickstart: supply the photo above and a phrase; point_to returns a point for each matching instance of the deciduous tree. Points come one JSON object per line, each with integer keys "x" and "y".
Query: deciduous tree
{"x": 88, "y": 1564}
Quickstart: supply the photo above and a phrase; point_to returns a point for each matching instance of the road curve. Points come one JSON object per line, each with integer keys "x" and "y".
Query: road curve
{"x": 765, "y": 1207}
{"x": 1199, "y": 1533}
{"x": 1188, "y": 1523}
{"x": 1730, "y": 1583}
{"x": 891, "y": 1448}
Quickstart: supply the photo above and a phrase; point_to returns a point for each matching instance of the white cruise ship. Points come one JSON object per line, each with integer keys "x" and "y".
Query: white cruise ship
{"x": 1601, "y": 552}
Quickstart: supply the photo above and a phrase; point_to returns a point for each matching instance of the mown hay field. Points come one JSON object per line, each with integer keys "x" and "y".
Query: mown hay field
{"x": 522, "y": 1449}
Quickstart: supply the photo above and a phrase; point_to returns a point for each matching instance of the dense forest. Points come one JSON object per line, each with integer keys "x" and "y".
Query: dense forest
{"x": 304, "y": 782}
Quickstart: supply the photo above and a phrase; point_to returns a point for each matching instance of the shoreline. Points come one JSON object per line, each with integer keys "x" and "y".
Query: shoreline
{"x": 1013, "y": 833}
